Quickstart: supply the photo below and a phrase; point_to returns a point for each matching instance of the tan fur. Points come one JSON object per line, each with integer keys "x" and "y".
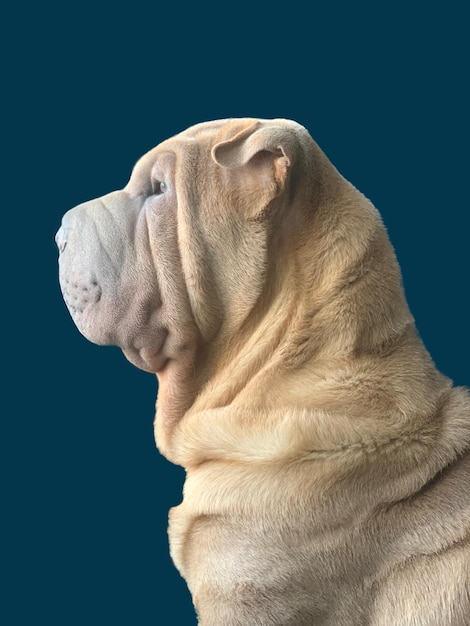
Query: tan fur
{"x": 327, "y": 460}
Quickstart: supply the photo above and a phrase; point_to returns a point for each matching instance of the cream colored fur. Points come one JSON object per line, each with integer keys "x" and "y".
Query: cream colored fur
{"x": 327, "y": 460}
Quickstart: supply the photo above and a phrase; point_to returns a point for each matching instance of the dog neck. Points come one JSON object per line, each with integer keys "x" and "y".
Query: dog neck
{"x": 318, "y": 337}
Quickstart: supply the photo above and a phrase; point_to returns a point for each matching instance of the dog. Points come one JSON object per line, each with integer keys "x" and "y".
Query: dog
{"x": 327, "y": 459}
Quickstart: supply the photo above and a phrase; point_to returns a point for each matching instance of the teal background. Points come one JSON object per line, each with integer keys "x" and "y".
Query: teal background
{"x": 383, "y": 88}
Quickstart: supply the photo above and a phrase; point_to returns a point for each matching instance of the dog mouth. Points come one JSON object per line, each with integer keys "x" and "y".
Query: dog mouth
{"x": 102, "y": 321}
{"x": 111, "y": 295}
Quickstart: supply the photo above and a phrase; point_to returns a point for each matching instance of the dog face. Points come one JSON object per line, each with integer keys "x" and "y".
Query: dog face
{"x": 162, "y": 266}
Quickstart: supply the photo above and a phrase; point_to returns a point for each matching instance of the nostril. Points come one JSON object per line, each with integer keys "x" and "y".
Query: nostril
{"x": 60, "y": 239}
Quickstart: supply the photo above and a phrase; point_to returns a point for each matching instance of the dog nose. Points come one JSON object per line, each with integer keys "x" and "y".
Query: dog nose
{"x": 61, "y": 239}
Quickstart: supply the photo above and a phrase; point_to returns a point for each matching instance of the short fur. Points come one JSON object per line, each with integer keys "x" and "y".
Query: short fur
{"x": 327, "y": 460}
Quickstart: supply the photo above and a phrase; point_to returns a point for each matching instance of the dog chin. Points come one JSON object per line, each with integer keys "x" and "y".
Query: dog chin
{"x": 90, "y": 327}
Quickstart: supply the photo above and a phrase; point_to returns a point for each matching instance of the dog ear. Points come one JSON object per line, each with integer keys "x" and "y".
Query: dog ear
{"x": 259, "y": 159}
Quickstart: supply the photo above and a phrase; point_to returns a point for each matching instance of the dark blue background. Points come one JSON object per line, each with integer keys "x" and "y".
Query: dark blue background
{"x": 384, "y": 91}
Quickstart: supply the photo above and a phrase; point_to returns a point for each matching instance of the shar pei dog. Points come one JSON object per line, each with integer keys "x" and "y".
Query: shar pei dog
{"x": 327, "y": 459}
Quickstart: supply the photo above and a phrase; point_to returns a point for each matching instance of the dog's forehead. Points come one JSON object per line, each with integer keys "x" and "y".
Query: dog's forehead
{"x": 204, "y": 131}
{"x": 225, "y": 128}
{"x": 207, "y": 134}
{"x": 202, "y": 134}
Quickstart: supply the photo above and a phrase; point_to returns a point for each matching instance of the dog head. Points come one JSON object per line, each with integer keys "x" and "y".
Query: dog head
{"x": 235, "y": 237}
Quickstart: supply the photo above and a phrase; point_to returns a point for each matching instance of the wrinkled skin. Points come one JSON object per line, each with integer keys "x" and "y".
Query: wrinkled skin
{"x": 327, "y": 460}
{"x": 110, "y": 280}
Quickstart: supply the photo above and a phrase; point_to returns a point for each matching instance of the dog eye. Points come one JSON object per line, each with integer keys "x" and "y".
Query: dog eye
{"x": 158, "y": 187}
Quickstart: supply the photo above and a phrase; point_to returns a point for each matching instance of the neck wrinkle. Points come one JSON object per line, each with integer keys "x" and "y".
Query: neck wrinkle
{"x": 262, "y": 343}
